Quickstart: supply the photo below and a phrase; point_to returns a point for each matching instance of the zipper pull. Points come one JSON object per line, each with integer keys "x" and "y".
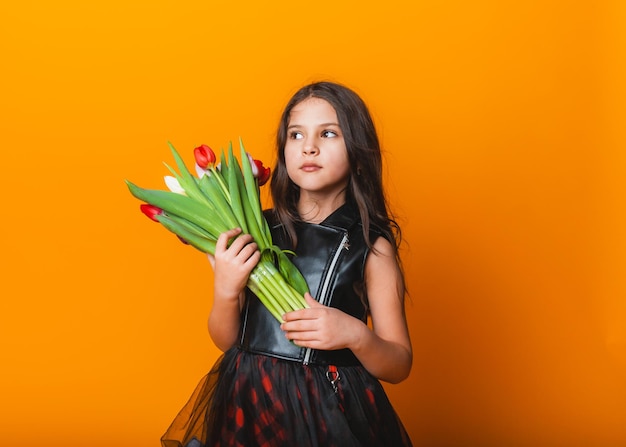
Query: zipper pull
{"x": 333, "y": 376}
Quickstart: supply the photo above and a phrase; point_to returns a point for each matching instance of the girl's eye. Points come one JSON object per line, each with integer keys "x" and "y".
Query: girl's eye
{"x": 329, "y": 134}
{"x": 295, "y": 135}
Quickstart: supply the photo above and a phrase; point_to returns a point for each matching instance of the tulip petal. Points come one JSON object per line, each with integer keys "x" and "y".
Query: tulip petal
{"x": 264, "y": 172}
{"x": 200, "y": 172}
{"x": 174, "y": 185}
{"x": 151, "y": 211}
{"x": 253, "y": 166}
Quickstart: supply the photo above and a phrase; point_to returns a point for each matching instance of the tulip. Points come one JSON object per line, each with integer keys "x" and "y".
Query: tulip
{"x": 200, "y": 172}
{"x": 204, "y": 155}
{"x": 264, "y": 173}
{"x": 260, "y": 172}
{"x": 190, "y": 183}
{"x": 151, "y": 211}
{"x": 173, "y": 185}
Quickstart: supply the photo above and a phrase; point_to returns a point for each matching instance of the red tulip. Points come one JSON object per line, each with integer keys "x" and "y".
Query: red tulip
{"x": 263, "y": 173}
{"x": 205, "y": 157}
{"x": 151, "y": 211}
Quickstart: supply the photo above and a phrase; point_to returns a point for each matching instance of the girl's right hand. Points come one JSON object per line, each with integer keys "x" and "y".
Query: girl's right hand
{"x": 234, "y": 263}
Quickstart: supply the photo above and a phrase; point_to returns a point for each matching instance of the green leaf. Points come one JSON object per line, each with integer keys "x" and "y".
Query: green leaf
{"x": 253, "y": 227}
{"x": 201, "y": 243}
{"x": 219, "y": 201}
{"x": 290, "y": 272}
{"x": 252, "y": 193}
{"x": 233, "y": 188}
{"x": 193, "y": 228}
{"x": 179, "y": 205}
{"x": 186, "y": 180}
{"x": 223, "y": 164}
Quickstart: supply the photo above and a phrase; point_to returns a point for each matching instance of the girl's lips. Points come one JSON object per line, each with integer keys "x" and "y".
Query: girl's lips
{"x": 310, "y": 167}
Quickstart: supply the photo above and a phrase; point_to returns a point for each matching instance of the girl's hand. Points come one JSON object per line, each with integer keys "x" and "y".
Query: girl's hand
{"x": 233, "y": 263}
{"x": 321, "y": 327}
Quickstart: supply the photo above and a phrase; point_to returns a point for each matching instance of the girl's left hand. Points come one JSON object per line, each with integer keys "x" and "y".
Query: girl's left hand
{"x": 321, "y": 327}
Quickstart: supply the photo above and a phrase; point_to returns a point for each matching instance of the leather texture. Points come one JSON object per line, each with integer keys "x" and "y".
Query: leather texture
{"x": 318, "y": 246}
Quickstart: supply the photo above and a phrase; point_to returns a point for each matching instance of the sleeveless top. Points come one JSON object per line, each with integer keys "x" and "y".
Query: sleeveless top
{"x": 331, "y": 256}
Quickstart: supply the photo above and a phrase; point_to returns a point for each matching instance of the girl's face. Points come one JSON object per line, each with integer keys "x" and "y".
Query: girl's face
{"x": 315, "y": 151}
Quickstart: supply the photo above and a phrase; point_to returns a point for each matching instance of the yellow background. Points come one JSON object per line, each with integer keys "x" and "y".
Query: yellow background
{"x": 504, "y": 137}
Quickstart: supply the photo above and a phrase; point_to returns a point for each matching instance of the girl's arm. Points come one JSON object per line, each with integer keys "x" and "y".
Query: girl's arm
{"x": 232, "y": 265}
{"x": 385, "y": 349}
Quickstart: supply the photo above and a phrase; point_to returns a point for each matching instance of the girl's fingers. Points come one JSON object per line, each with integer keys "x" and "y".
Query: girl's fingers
{"x": 242, "y": 253}
{"x": 311, "y": 313}
{"x": 254, "y": 259}
{"x": 222, "y": 240}
{"x": 242, "y": 242}
{"x": 249, "y": 250}
{"x": 312, "y": 302}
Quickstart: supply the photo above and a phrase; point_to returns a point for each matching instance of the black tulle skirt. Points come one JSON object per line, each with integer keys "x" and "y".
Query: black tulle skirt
{"x": 254, "y": 400}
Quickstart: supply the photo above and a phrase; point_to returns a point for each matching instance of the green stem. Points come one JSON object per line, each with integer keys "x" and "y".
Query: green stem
{"x": 292, "y": 298}
{"x": 260, "y": 275}
{"x": 253, "y": 285}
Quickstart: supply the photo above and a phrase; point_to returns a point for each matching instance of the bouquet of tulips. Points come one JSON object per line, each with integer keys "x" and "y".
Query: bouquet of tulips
{"x": 221, "y": 197}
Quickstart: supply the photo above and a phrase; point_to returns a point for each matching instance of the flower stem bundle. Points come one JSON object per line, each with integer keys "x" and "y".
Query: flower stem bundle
{"x": 222, "y": 197}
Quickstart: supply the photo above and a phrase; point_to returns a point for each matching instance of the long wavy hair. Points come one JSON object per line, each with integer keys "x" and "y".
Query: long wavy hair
{"x": 365, "y": 186}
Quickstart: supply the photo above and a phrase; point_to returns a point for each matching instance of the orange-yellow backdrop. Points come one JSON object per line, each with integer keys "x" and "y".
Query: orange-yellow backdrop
{"x": 503, "y": 129}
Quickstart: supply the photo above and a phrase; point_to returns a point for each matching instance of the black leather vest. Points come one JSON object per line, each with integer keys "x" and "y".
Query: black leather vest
{"x": 331, "y": 256}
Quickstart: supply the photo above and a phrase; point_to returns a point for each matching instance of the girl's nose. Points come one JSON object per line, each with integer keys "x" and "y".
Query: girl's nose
{"x": 310, "y": 147}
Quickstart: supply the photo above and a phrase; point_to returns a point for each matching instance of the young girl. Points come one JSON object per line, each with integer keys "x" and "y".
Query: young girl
{"x": 314, "y": 379}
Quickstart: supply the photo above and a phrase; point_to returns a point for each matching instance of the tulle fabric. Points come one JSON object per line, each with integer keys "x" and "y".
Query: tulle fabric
{"x": 253, "y": 400}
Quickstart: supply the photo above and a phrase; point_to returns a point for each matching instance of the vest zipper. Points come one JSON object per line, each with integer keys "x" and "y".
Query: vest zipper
{"x": 324, "y": 293}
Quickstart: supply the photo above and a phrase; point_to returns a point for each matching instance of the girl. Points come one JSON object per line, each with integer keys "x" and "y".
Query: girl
{"x": 314, "y": 379}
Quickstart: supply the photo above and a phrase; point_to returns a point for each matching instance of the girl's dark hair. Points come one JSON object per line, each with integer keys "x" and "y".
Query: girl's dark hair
{"x": 365, "y": 187}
